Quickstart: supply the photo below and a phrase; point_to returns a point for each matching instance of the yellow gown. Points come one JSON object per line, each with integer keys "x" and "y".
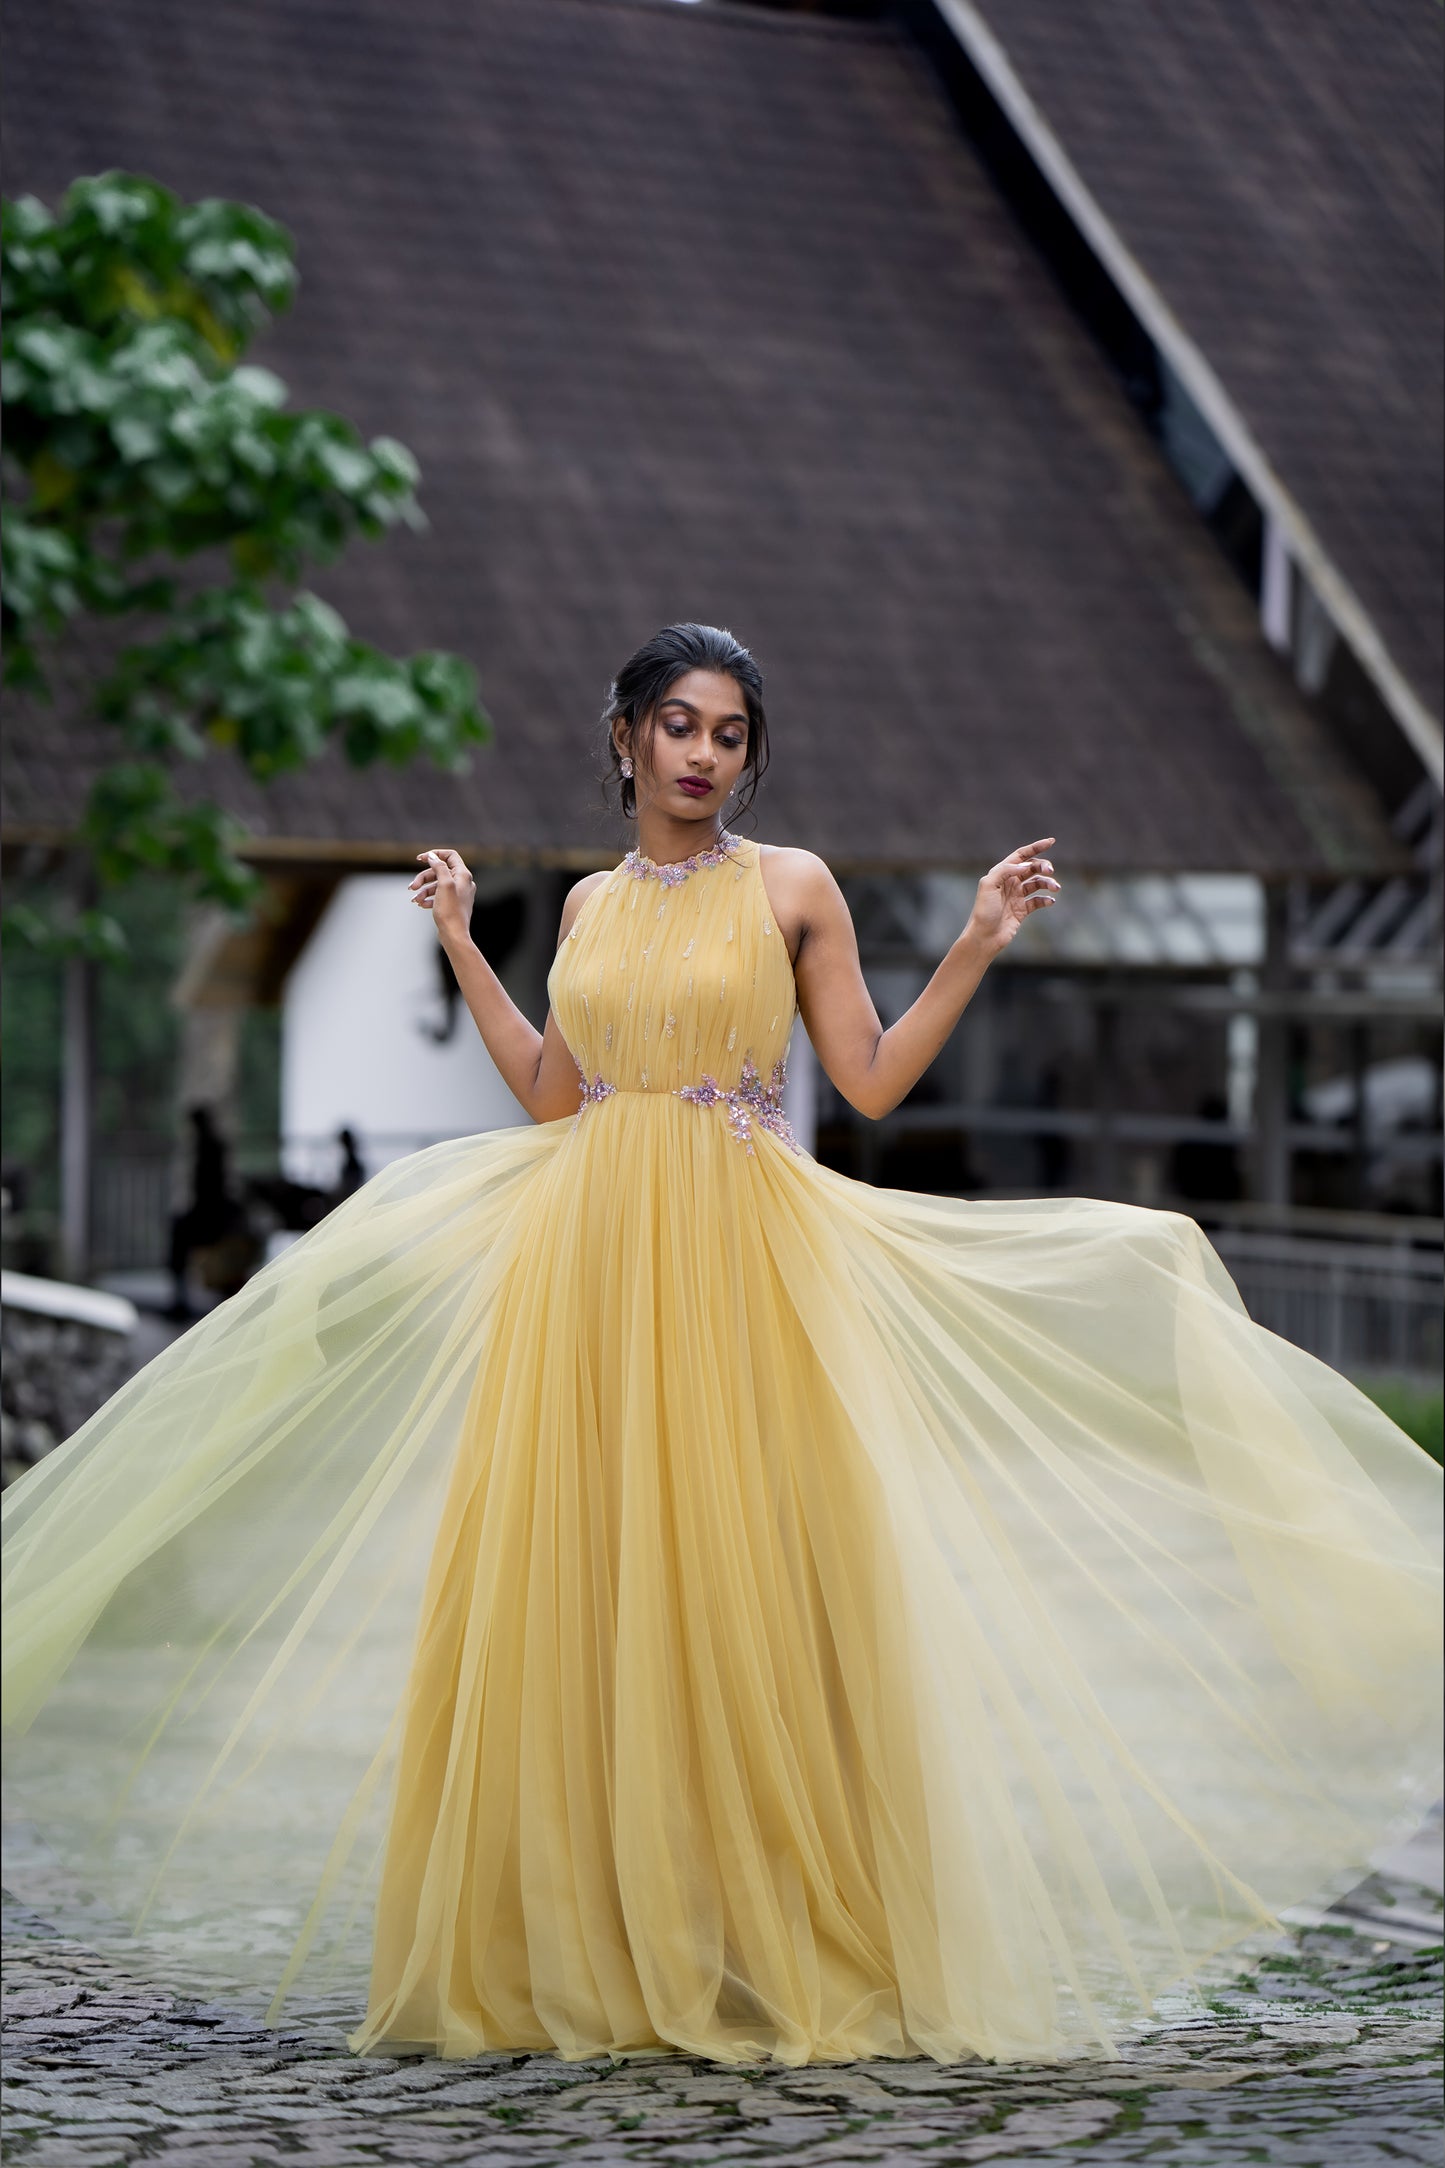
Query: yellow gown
{"x": 619, "y": 1585}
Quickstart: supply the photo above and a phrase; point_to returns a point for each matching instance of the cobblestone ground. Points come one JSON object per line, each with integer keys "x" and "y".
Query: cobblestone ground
{"x": 1326, "y": 2056}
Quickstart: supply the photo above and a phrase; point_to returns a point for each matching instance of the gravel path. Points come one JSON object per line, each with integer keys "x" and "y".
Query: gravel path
{"x": 1326, "y": 2057}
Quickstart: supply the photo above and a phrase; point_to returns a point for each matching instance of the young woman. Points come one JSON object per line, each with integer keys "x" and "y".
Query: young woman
{"x": 619, "y": 1585}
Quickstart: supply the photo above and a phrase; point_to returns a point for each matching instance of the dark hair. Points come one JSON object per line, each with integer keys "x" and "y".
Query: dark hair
{"x": 644, "y": 681}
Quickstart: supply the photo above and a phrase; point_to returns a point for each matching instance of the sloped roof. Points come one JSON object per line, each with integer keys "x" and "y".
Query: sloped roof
{"x": 1273, "y": 175}
{"x": 693, "y": 312}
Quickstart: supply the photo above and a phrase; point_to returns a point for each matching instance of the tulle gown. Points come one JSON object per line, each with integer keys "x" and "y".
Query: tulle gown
{"x": 619, "y": 1585}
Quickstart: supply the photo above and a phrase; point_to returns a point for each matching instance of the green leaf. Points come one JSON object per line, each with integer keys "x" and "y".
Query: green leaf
{"x": 395, "y": 461}
{"x": 59, "y": 931}
{"x": 350, "y": 470}
{"x": 261, "y": 386}
{"x": 136, "y": 437}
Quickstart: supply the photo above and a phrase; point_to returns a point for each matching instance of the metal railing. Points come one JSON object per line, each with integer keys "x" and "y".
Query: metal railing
{"x": 1364, "y": 1308}
{"x": 133, "y": 1195}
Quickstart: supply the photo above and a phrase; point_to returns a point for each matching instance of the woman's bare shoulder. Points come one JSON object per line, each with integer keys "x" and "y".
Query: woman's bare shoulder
{"x": 792, "y": 855}
{"x": 802, "y": 891}
{"x": 577, "y": 895}
{"x": 791, "y": 871}
{"x": 581, "y": 890}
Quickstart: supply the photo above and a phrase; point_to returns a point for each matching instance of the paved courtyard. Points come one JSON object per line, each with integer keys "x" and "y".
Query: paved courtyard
{"x": 1326, "y": 2056}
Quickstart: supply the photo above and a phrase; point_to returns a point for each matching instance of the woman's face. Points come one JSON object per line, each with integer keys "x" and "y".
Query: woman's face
{"x": 696, "y": 749}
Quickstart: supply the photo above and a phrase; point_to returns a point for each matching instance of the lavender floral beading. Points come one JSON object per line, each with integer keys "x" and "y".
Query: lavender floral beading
{"x": 670, "y": 873}
{"x": 751, "y": 1101}
{"x": 594, "y": 1091}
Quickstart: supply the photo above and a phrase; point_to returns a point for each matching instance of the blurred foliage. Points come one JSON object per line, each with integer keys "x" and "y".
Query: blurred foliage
{"x": 30, "y": 1102}
{"x": 1419, "y": 1411}
{"x": 137, "y": 1032}
{"x": 137, "y": 1046}
{"x": 136, "y": 440}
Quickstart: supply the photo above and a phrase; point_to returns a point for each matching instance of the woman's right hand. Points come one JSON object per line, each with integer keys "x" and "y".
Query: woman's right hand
{"x": 446, "y": 889}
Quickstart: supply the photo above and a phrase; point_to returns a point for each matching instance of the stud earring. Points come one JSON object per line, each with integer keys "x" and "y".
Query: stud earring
{"x": 626, "y": 768}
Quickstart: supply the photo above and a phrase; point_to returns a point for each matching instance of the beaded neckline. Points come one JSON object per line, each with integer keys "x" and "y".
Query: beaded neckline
{"x": 671, "y": 871}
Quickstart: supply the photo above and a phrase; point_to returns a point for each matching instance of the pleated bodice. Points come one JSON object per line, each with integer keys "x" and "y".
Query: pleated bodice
{"x": 676, "y": 980}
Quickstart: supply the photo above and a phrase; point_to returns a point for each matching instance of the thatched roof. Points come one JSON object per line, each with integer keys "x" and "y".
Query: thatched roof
{"x": 709, "y": 313}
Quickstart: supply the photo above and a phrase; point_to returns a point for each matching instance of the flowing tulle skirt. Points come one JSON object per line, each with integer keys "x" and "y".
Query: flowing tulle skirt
{"x": 605, "y": 1590}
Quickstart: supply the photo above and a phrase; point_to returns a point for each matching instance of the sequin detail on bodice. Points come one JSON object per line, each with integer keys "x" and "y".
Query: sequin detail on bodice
{"x": 672, "y": 872}
{"x": 676, "y": 981}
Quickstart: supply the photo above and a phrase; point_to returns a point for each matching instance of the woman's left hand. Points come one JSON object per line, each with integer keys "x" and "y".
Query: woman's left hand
{"x": 1018, "y": 884}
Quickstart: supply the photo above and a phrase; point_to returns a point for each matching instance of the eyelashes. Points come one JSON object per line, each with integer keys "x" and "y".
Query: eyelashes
{"x": 728, "y": 745}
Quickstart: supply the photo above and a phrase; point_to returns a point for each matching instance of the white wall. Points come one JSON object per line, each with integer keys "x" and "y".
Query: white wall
{"x": 353, "y": 1052}
{"x": 800, "y": 1094}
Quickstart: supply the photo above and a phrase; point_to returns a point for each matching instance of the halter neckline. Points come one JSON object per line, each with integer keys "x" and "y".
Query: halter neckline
{"x": 671, "y": 871}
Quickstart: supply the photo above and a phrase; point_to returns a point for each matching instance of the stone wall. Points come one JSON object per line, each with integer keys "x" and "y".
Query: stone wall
{"x": 63, "y": 1351}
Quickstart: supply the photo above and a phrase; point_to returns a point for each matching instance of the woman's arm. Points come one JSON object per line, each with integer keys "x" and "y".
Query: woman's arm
{"x": 536, "y": 1066}
{"x": 874, "y": 1069}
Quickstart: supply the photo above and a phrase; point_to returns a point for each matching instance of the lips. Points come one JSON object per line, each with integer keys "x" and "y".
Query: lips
{"x": 695, "y": 788}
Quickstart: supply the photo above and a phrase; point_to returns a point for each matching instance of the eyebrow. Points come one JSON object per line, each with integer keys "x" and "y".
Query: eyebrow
{"x": 674, "y": 700}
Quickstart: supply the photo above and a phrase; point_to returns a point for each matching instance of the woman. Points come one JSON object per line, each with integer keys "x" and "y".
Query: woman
{"x": 629, "y": 1587}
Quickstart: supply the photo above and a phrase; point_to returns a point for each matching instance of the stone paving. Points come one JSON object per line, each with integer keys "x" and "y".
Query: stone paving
{"x": 1325, "y": 2056}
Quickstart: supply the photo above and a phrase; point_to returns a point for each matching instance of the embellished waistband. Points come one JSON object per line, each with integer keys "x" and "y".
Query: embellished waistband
{"x": 750, "y": 1101}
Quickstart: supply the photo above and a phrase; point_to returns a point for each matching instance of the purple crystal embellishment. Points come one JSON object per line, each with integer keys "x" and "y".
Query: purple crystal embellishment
{"x": 752, "y": 1101}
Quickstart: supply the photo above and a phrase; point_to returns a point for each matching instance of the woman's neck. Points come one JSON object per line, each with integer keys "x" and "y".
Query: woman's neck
{"x": 666, "y": 840}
